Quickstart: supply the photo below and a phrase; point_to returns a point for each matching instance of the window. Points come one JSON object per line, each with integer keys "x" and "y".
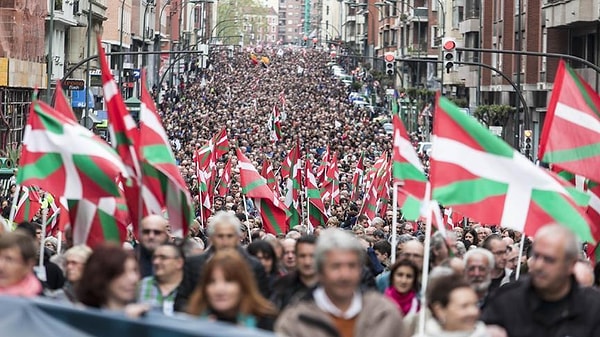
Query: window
{"x": 435, "y": 32}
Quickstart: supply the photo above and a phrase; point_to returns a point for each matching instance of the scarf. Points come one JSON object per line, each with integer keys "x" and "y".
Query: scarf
{"x": 403, "y": 301}
{"x": 30, "y": 286}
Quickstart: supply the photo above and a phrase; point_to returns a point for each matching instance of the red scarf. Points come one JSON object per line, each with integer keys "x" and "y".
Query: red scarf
{"x": 30, "y": 286}
{"x": 403, "y": 301}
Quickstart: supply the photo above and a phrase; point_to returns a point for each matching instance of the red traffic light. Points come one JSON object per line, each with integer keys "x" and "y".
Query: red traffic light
{"x": 449, "y": 45}
{"x": 389, "y": 57}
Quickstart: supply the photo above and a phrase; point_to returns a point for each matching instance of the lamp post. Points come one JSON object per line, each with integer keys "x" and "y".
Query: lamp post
{"x": 50, "y": 57}
{"x": 157, "y": 44}
{"x": 220, "y": 23}
{"x": 149, "y": 3}
{"x": 87, "y": 67}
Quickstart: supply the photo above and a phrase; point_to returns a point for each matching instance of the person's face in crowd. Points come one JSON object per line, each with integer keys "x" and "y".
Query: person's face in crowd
{"x": 469, "y": 237}
{"x": 360, "y": 232}
{"x": 413, "y": 251}
{"x": 478, "y": 272}
{"x": 369, "y": 231}
{"x": 459, "y": 232}
{"x": 223, "y": 295}
{"x": 481, "y": 234}
{"x": 461, "y": 313}
{"x": 166, "y": 261}
{"x": 225, "y": 236}
{"x": 340, "y": 274}
{"x": 38, "y": 236}
{"x": 386, "y": 230}
{"x": 266, "y": 261}
{"x": 512, "y": 259}
{"x": 549, "y": 267}
{"x": 305, "y": 259}
{"x": 74, "y": 265}
{"x": 499, "y": 249}
{"x": 404, "y": 279}
{"x": 13, "y": 269}
{"x": 289, "y": 254}
{"x": 407, "y": 228}
{"x": 123, "y": 288}
{"x": 153, "y": 232}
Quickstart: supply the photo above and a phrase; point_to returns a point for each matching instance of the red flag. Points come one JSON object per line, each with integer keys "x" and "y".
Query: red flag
{"x": 225, "y": 179}
{"x": 61, "y": 104}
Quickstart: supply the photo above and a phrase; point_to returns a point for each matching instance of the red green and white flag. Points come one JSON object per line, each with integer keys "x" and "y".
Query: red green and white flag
{"x": 267, "y": 173}
{"x": 408, "y": 173}
{"x": 272, "y": 212}
{"x": 66, "y": 159}
{"x": 61, "y": 104}
{"x": 481, "y": 176}
{"x": 275, "y": 125}
{"x": 371, "y": 199}
{"x": 98, "y": 221}
{"x": 383, "y": 191}
{"x": 571, "y": 136}
{"x": 322, "y": 169}
{"x": 28, "y": 204}
{"x": 331, "y": 186}
{"x": 294, "y": 187}
{"x": 358, "y": 177}
{"x": 316, "y": 208}
{"x": 160, "y": 173}
{"x": 205, "y": 198}
{"x": 225, "y": 179}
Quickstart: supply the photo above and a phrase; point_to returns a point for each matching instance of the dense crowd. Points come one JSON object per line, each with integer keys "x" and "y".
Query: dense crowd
{"x": 337, "y": 280}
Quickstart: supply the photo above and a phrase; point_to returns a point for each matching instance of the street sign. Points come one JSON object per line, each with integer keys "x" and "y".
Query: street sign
{"x": 497, "y": 130}
{"x": 71, "y": 84}
{"x": 137, "y": 73}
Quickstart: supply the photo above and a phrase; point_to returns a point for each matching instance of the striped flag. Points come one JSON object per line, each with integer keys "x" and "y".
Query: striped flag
{"x": 479, "y": 175}
{"x": 267, "y": 173}
{"x": 160, "y": 172}
{"x": 358, "y": 177}
{"x": 272, "y": 212}
{"x": 293, "y": 187}
{"x": 225, "y": 179}
{"x": 316, "y": 208}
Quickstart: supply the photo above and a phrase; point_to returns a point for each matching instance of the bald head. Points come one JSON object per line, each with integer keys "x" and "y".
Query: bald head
{"x": 565, "y": 236}
{"x": 153, "y": 232}
{"x": 412, "y": 250}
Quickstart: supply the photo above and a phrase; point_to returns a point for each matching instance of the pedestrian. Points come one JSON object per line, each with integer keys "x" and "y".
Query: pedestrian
{"x": 548, "y": 301}
{"x": 227, "y": 292}
{"x": 404, "y": 287}
{"x": 17, "y": 258}
{"x": 338, "y": 306}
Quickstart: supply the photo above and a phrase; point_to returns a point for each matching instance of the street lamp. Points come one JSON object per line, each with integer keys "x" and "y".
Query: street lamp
{"x": 222, "y": 22}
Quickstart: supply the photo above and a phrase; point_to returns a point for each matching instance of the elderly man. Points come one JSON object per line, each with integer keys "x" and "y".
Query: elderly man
{"x": 153, "y": 233}
{"x": 500, "y": 274}
{"x": 337, "y": 307}
{"x": 17, "y": 258}
{"x": 548, "y": 301}
{"x": 224, "y": 233}
{"x": 479, "y": 264}
{"x": 289, "y": 256}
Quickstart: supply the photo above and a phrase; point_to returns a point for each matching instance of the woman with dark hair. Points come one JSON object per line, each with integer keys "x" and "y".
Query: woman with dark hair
{"x": 470, "y": 238}
{"x": 227, "y": 292}
{"x": 404, "y": 286}
{"x": 453, "y": 305}
{"x": 265, "y": 253}
{"x": 110, "y": 278}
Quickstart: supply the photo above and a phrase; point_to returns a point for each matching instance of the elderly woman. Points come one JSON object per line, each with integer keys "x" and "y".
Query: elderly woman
{"x": 75, "y": 259}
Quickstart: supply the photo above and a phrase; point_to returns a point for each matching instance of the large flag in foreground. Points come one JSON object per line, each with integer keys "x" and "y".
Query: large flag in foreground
{"x": 66, "y": 159}
{"x": 160, "y": 173}
{"x": 571, "y": 136}
{"x": 272, "y": 211}
{"x": 479, "y": 175}
{"x": 408, "y": 173}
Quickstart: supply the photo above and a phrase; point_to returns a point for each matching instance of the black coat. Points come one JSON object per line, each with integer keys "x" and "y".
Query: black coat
{"x": 288, "y": 289}
{"x": 193, "y": 269}
{"x": 518, "y": 309}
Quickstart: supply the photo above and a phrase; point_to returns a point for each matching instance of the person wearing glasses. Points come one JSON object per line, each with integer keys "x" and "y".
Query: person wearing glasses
{"x": 500, "y": 274}
{"x": 160, "y": 289}
{"x": 153, "y": 233}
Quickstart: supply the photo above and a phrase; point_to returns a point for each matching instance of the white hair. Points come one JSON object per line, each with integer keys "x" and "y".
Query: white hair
{"x": 480, "y": 251}
{"x": 336, "y": 239}
{"x": 223, "y": 218}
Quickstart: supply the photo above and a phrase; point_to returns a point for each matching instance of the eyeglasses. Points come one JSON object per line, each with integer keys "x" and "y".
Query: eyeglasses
{"x": 153, "y": 231}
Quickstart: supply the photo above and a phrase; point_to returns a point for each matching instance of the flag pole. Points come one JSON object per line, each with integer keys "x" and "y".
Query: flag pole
{"x": 13, "y": 209}
{"x": 59, "y": 245}
{"x": 425, "y": 275}
{"x": 522, "y": 246}
{"x": 394, "y": 220}
{"x": 40, "y": 270}
{"x": 247, "y": 221}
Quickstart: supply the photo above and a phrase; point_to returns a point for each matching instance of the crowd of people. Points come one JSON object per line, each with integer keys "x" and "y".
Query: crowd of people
{"x": 336, "y": 280}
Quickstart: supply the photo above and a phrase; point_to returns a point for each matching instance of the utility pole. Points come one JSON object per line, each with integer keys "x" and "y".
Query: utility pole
{"x": 87, "y": 67}
{"x": 50, "y": 57}
{"x": 517, "y": 101}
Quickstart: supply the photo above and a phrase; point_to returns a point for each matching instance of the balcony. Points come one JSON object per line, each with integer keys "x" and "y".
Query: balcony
{"x": 469, "y": 25}
{"x": 419, "y": 14}
{"x": 560, "y": 13}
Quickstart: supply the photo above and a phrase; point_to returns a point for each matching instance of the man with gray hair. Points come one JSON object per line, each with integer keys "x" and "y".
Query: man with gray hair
{"x": 337, "y": 306}
{"x": 548, "y": 301}
{"x": 224, "y": 232}
{"x": 479, "y": 264}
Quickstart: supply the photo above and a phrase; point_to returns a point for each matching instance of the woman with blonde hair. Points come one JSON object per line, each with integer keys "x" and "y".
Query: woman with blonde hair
{"x": 227, "y": 292}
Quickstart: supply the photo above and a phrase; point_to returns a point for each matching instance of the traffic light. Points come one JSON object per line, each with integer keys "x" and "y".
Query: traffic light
{"x": 390, "y": 63}
{"x": 449, "y": 53}
{"x": 527, "y": 142}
